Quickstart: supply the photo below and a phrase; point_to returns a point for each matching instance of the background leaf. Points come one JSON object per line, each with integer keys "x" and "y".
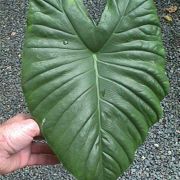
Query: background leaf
{"x": 94, "y": 90}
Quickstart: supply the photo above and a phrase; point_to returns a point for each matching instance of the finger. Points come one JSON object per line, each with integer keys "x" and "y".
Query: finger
{"x": 17, "y": 118}
{"x": 19, "y": 135}
{"x": 30, "y": 128}
{"x": 40, "y": 148}
{"x": 42, "y": 159}
{"x": 10, "y": 164}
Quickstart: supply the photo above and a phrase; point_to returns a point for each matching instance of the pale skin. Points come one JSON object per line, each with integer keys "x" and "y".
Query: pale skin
{"x": 17, "y": 149}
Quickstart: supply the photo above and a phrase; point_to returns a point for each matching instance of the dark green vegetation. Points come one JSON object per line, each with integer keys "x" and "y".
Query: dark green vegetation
{"x": 94, "y": 90}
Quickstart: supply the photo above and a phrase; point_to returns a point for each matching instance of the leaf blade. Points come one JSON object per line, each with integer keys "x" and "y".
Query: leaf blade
{"x": 94, "y": 93}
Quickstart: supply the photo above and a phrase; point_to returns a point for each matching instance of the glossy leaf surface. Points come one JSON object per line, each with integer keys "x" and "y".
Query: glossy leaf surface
{"x": 94, "y": 89}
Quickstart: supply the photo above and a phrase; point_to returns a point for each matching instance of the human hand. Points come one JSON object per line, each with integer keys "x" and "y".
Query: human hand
{"x": 16, "y": 147}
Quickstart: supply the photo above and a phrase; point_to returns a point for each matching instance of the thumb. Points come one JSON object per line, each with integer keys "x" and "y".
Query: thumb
{"x": 18, "y": 135}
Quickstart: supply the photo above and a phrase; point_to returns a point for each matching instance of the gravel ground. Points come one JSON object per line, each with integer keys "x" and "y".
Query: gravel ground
{"x": 157, "y": 158}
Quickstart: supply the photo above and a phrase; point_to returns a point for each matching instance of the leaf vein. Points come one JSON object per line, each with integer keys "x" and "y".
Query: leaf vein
{"x": 119, "y": 143}
{"x": 82, "y": 94}
{"x": 111, "y": 157}
{"x": 53, "y": 6}
{"x": 126, "y": 114}
{"x": 80, "y": 129}
{"x": 129, "y": 89}
{"x": 139, "y": 5}
{"x": 137, "y": 68}
{"x": 53, "y": 68}
{"x": 67, "y": 81}
{"x": 48, "y": 28}
{"x": 136, "y": 50}
{"x": 136, "y": 27}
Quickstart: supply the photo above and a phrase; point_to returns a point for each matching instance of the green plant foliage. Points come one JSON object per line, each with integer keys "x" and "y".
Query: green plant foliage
{"x": 95, "y": 90}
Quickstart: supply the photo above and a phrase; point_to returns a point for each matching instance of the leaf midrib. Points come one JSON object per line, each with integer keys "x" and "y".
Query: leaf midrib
{"x": 95, "y": 62}
{"x": 94, "y": 56}
{"x": 98, "y": 107}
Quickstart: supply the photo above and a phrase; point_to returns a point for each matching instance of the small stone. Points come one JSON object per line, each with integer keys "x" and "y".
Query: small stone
{"x": 147, "y": 174}
{"x": 171, "y": 9}
{"x": 158, "y": 157}
{"x": 8, "y": 68}
{"x": 13, "y": 33}
{"x": 169, "y": 152}
{"x": 168, "y": 18}
{"x": 156, "y": 145}
{"x": 143, "y": 158}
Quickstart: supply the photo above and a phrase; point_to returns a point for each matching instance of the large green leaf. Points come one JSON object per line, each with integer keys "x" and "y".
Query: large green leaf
{"x": 94, "y": 89}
